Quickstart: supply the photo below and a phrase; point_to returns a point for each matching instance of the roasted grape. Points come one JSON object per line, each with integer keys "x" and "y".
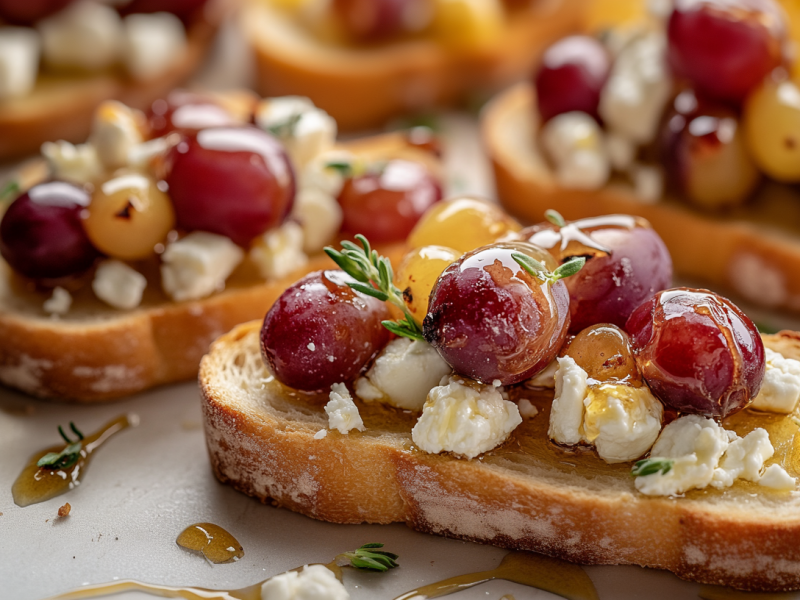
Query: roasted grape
{"x": 41, "y": 234}
{"x": 27, "y": 12}
{"x": 491, "y": 320}
{"x": 705, "y": 154}
{"x": 418, "y": 273}
{"x": 627, "y": 262}
{"x": 186, "y": 112}
{"x": 385, "y": 204}
{"x": 234, "y": 181}
{"x": 697, "y": 351}
{"x": 321, "y": 332}
{"x": 571, "y": 75}
{"x": 604, "y": 352}
{"x": 725, "y": 47}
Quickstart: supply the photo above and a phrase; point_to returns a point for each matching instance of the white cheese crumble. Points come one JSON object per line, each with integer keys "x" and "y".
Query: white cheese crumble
{"x": 198, "y": 265}
{"x": 305, "y": 130}
{"x": 75, "y": 163}
{"x": 85, "y": 35}
{"x": 279, "y": 251}
{"x": 115, "y": 132}
{"x": 546, "y": 378}
{"x": 527, "y": 410}
{"x": 322, "y": 433}
{"x": 780, "y": 390}
{"x": 342, "y": 411}
{"x": 59, "y": 303}
{"x": 320, "y": 217}
{"x": 776, "y": 477}
{"x": 19, "y": 61}
{"x": 574, "y": 143}
{"x": 152, "y": 43}
{"x": 318, "y": 175}
{"x": 566, "y": 414}
{"x": 402, "y": 374}
{"x": 314, "y": 582}
{"x": 464, "y": 419}
{"x": 119, "y": 285}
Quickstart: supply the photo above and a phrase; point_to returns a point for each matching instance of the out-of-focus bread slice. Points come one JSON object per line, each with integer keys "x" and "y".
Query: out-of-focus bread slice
{"x": 528, "y": 494}
{"x": 753, "y": 250}
{"x": 364, "y": 87}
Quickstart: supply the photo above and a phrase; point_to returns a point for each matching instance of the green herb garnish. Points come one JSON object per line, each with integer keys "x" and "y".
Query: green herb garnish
{"x": 68, "y": 456}
{"x": 554, "y": 217}
{"x": 285, "y": 128}
{"x": 648, "y": 466}
{"x": 9, "y": 190}
{"x": 369, "y": 558}
{"x": 538, "y": 270}
{"x": 370, "y": 269}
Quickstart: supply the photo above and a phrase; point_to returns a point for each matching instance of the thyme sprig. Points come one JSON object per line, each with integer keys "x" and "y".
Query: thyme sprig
{"x": 368, "y": 557}
{"x": 68, "y": 456}
{"x": 373, "y": 274}
{"x": 538, "y": 270}
{"x": 555, "y": 217}
{"x": 9, "y": 191}
{"x": 285, "y": 129}
{"x": 648, "y": 466}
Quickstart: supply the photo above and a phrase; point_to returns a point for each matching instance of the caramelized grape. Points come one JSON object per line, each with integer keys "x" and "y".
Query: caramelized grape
{"x": 490, "y": 320}
{"x": 697, "y": 351}
{"x": 234, "y": 181}
{"x": 705, "y": 154}
{"x": 186, "y": 112}
{"x": 604, "y": 352}
{"x": 627, "y": 262}
{"x": 321, "y": 332}
{"x": 571, "y": 75}
{"x": 385, "y": 205}
{"x": 27, "y": 12}
{"x": 725, "y": 47}
{"x": 41, "y": 234}
{"x": 418, "y": 273}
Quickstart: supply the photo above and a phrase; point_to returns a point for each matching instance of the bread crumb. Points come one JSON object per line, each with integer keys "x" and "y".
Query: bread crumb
{"x": 64, "y": 510}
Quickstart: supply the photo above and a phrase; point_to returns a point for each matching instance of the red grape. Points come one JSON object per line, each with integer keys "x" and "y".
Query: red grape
{"x": 610, "y": 285}
{"x": 41, "y": 234}
{"x": 490, "y": 320}
{"x": 370, "y": 20}
{"x": 697, "y": 351}
{"x": 570, "y": 77}
{"x": 385, "y": 205}
{"x": 182, "y": 8}
{"x": 27, "y": 12}
{"x": 725, "y": 47}
{"x": 321, "y": 332}
{"x": 235, "y": 181}
{"x": 186, "y": 112}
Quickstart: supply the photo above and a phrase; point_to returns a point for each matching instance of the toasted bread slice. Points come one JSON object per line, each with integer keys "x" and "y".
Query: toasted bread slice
{"x": 753, "y": 250}
{"x": 61, "y": 107}
{"x": 527, "y": 494}
{"x": 364, "y": 87}
{"x": 95, "y": 353}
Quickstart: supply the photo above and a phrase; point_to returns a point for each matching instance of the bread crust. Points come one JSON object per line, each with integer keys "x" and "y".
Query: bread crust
{"x": 749, "y": 251}
{"x": 364, "y": 88}
{"x": 261, "y": 441}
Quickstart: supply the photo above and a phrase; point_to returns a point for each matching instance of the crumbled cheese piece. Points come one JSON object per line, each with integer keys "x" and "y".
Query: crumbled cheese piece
{"x": 320, "y": 217}
{"x": 648, "y": 182}
{"x": 314, "y": 582}
{"x": 140, "y": 155}
{"x": 320, "y": 434}
{"x": 85, "y": 35}
{"x": 342, "y": 411}
{"x": 197, "y": 265}
{"x": 527, "y": 410}
{"x": 319, "y": 176}
{"x": 19, "y": 61}
{"x": 305, "y": 130}
{"x": 743, "y": 459}
{"x": 463, "y": 419}
{"x": 780, "y": 390}
{"x": 566, "y": 414}
{"x": 638, "y": 87}
{"x": 621, "y": 151}
{"x": 118, "y": 285}
{"x": 76, "y": 163}
{"x": 115, "y": 132}
{"x": 152, "y": 43}
{"x": 546, "y": 378}
{"x": 59, "y": 303}
{"x": 777, "y": 478}
{"x": 574, "y": 143}
{"x": 279, "y": 251}
{"x": 402, "y": 374}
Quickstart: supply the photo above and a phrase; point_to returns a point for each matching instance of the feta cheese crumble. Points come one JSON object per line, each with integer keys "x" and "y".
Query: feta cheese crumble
{"x": 402, "y": 374}
{"x": 780, "y": 390}
{"x": 19, "y": 61}
{"x": 466, "y": 419}
{"x": 313, "y": 582}
{"x": 115, "y": 132}
{"x": 151, "y": 43}
{"x": 574, "y": 143}
{"x": 85, "y": 35}
{"x": 198, "y": 265}
{"x": 279, "y": 251}
{"x": 119, "y": 285}
{"x": 342, "y": 412}
{"x": 545, "y": 378}
{"x": 527, "y": 410}
{"x": 78, "y": 163}
{"x": 59, "y": 303}
{"x": 776, "y": 478}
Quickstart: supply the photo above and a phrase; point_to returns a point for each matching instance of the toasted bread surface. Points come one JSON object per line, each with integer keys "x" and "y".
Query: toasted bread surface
{"x": 364, "y": 87}
{"x": 753, "y": 250}
{"x": 527, "y": 494}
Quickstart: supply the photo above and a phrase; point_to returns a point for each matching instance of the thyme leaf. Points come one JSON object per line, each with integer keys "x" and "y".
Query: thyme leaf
{"x": 68, "y": 456}
{"x": 370, "y": 558}
{"x": 648, "y": 466}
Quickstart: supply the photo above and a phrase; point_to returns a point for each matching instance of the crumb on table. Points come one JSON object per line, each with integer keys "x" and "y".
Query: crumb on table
{"x": 64, "y": 510}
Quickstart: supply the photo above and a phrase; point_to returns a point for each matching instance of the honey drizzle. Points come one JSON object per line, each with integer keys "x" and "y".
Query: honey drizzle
{"x": 212, "y": 541}
{"x": 36, "y": 484}
{"x": 714, "y": 592}
{"x": 535, "y": 570}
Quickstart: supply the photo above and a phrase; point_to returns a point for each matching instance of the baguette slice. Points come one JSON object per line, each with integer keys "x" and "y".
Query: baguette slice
{"x": 527, "y": 494}
{"x": 753, "y": 250}
{"x": 61, "y": 107}
{"x": 364, "y": 87}
{"x": 96, "y": 353}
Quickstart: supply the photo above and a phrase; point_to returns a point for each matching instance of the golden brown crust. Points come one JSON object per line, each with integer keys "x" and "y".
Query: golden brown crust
{"x": 751, "y": 252}
{"x": 262, "y": 442}
{"x": 364, "y": 88}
